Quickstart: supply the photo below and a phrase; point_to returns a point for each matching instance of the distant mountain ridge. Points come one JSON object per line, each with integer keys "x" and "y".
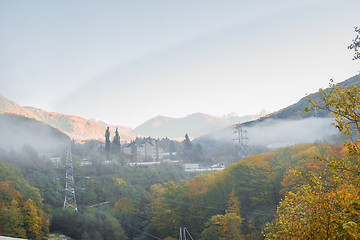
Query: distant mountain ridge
{"x": 290, "y": 125}
{"x": 296, "y": 110}
{"x": 194, "y": 125}
{"x": 77, "y": 128}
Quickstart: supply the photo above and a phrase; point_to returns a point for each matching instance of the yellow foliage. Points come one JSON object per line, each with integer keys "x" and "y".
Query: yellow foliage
{"x": 328, "y": 206}
{"x": 119, "y": 181}
{"x": 32, "y": 220}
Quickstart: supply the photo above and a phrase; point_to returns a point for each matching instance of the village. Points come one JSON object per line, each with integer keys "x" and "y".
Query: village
{"x": 143, "y": 152}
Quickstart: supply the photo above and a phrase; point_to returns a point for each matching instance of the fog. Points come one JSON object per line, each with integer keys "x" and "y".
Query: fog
{"x": 17, "y": 131}
{"x": 275, "y": 133}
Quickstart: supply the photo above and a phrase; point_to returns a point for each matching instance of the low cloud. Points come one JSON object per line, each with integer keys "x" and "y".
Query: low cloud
{"x": 289, "y": 132}
{"x": 274, "y": 133}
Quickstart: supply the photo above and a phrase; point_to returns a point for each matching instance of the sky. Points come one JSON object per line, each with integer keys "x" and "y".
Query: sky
{"x": 128, "y": 61}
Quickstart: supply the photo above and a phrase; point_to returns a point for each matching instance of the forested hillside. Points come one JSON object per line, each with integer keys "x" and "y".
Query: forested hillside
{"x": 21, "y": 209}
{"x": 121, "y": 201}
{"x": 258, "y": 182}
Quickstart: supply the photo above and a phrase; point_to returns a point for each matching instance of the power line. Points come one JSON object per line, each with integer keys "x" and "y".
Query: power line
{"x": 139, "y": 230}
{"x": 216, "y": 208}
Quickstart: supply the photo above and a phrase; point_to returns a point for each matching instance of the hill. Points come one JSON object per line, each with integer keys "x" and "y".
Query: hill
{"x": 17, "y": 130}
{"x": 77, "y": 128}
{"x": 195, "y": 125}
{"x": 286, "y": 127}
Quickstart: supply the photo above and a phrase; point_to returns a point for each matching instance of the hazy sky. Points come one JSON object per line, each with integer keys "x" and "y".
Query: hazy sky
{"x": 128, "y": 61}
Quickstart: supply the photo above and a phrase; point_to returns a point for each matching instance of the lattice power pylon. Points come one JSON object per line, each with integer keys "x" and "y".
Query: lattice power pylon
{"x": 70, "y": 199}
{"x": 243, "y": 145}
{"x": 183, "y": 233}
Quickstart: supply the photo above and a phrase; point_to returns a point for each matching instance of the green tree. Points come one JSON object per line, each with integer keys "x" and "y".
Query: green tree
{"x": 116, "y": 142}
{"x": 225, "y": 226}
{"x": 12, "y": 220}
{"x": 85, "y": 236}
{"x": 187, "y": 143}
{"x": 107, "y": 140}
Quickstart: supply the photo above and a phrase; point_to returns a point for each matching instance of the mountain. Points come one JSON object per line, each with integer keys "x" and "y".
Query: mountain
{"x": 194, "y": 125}
{"x": 122, "y": 129}
{"x": 296, "y": 111}
{"x": 77, "y": 128}
{"x": 18, "y": 130}
{"x": 285, "y": 127}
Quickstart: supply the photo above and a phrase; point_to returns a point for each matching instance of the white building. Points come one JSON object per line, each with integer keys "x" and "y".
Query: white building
{"x": 144, "y": 150}
{"x": 55, "y": 159}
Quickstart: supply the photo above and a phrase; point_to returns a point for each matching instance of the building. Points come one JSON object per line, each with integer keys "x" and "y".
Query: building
{"x": 144, "y": 150}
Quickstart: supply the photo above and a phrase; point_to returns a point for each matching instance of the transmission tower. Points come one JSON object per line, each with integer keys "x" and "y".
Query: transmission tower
{"x": 70, "y": 199}
{"x": 242, "y": 141}
{"x": 183, "y": 233}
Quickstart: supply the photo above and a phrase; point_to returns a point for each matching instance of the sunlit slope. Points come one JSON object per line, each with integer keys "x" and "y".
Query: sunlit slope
{"x": 77, "y": 128}
{"x": 287, "y": 126}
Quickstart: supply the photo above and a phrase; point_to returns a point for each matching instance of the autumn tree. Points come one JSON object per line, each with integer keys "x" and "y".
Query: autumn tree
{"x": 225, "y": 226}
{"x": 32, "y": 220}
{"x": 328, "y": 207}
{"x": 12, "y": 221}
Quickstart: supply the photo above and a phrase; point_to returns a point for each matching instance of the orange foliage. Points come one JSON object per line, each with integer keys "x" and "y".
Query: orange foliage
{"x": 124, "y": 205}
{"x": 196, "y": 185}
{"x": 8, "y": 193}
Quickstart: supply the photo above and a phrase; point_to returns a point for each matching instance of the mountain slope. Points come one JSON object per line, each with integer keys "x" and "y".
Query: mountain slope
{"x": 195, "y": 125}
{"x": 285, "y": 127}
{"x": 296, "y": 111}
{"x": 77, "y": 128}
{"x": 17, "y": 130}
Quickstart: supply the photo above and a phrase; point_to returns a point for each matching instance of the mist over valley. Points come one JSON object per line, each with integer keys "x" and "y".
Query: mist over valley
{"x": 202, "y": 120}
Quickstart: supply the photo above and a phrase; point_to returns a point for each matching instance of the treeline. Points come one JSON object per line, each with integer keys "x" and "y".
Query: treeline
{"x": 108, "y": 188}
{"x": 257, "y": 183}
{"x": 121, "y": 202}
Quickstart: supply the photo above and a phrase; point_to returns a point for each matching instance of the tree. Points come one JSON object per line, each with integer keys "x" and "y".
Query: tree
{"x": 225, "y": 226}
{"x": 116, "y": 142}
{"x": 107, "y": 140}
{"x": 316, "y": 213}
{"x": 187, "y": 143}
{"x": 172, "y": 150}
{"x": 356, "y": 44}
{"x": 11, "y": 221}
{"x": 328, "y": 207}
{"x": 32, "y": 220}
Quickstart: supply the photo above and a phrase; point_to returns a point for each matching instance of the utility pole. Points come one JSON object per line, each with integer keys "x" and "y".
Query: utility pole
{"x": 70, "y": 199}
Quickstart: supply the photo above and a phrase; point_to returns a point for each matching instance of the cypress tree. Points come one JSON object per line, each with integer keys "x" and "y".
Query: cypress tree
{"x": 116, "y": 142}
{"x": 107, "y": 140}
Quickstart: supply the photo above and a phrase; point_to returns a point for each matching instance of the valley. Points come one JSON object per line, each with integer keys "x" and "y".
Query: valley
{"x": 152, "y": 187}
{"x": 179, "y": 120}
